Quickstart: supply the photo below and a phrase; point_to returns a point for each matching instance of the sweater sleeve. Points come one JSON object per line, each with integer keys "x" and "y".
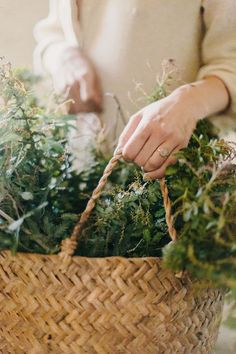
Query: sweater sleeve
{"x": 219, "y": 44}
{"x": 52, "y": 34}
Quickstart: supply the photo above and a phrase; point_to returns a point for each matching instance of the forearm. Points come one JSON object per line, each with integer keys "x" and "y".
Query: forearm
{"x": 204, "y": 97}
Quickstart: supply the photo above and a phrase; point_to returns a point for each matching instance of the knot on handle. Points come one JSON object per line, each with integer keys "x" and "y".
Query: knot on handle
{"x": 68, "y": 247}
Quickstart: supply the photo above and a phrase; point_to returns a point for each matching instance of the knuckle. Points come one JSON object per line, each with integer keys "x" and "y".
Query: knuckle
{"x": 164, "y": 130}
{"x": 161, "y": 120}
{"x": 178, "y": 137}
{"x": 181, "y": 138}
{"x": 143, "y": 134}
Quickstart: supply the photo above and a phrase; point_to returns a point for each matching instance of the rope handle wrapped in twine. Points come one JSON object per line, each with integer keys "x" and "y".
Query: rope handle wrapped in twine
{"x": 68, "y": 245}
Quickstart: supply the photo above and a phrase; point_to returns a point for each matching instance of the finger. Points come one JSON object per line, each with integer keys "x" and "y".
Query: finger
{"x": 136, "y": 142}
{"x": 160, "y": 172}
{"x": 86, "y": 88}
{"x": 129, "y": 129}
{"x": 157, "y": 159}
{"x": 97, "y": 95}
{"x": 148, "y": 149}
{"x": 90, "y": 94}
{"x": 77, "y": 105}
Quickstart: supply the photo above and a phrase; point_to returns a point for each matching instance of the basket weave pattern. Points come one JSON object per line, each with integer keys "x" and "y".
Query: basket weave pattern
{"x": 76, "y": 305}
{"x": 102, "y": 305}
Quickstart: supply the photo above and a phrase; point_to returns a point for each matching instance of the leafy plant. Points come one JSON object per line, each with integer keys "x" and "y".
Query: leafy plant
{"x": 41, "y": 195}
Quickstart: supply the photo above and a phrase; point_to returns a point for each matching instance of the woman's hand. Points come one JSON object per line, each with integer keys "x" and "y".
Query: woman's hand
{"x": 158, "y": 131}
{"x": 75, "y": 76}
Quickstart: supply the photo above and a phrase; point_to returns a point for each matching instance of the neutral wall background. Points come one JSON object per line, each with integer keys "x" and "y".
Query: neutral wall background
{"x": 17, "y": 19}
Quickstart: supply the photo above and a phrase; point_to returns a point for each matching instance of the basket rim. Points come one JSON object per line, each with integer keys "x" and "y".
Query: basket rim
{"x": 8, "y": 252}
{"x": 137, "y": 261}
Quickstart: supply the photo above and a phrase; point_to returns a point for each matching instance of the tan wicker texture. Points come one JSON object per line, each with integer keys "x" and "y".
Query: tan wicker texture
{"x": 64, "y": 304}
{"x": 102, "y": 305}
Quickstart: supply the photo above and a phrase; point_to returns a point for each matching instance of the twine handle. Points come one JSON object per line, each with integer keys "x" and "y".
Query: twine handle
{"x": 68, "y": 245}
{"x": 167, "y": 206}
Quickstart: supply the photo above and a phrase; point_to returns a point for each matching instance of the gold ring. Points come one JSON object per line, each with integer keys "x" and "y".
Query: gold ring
{"x": 164, "y": 152}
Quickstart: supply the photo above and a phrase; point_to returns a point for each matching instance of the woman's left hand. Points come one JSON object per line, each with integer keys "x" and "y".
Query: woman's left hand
{"x": 154, "y": 134}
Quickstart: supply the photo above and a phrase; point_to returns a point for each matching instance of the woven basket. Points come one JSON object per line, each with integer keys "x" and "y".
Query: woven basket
{"x": 64, "y": 304}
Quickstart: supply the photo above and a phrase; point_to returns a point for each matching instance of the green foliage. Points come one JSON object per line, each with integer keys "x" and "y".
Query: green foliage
{"x": 41, "y": 195}
{"x": 127, "y": 221}
{"x": 205, "y": 215}
{"x": 202, "y": 187}
{"x": 35, "y": 172}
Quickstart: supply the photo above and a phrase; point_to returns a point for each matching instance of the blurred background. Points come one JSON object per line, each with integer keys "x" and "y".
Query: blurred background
{"x": 17, "y": 19}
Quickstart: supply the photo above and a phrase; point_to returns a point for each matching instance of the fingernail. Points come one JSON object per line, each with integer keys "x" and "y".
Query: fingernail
{"x": 146, "y": 177}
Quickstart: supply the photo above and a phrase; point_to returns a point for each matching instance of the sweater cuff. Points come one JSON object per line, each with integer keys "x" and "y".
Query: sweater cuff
{"x": 226, "y": 76}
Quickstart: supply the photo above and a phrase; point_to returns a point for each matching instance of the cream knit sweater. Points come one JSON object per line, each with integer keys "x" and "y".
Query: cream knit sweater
{"x": 128, "y": 40}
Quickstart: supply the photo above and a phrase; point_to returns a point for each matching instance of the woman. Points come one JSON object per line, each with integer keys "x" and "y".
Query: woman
{"x": 120, "y": 38}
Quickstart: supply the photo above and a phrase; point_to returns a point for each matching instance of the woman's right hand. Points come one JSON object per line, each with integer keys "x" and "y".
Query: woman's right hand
{"x": 75, "y": 76}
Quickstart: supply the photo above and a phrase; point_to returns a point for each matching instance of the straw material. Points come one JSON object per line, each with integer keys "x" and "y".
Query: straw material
{"x": 65, "y": 304}
{"x": 102, "y": 305}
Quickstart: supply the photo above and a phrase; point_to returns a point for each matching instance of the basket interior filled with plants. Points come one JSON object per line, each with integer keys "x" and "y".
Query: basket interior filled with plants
{"x": 44, "y": 187}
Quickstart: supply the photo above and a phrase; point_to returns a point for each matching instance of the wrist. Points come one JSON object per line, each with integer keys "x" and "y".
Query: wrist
{"x": 204, "y": 97}
{"x": 189, "y": 99}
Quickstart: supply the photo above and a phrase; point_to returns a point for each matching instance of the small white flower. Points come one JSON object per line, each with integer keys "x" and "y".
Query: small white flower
{"x": 27, "y": 196}
{"x": 82, "y": 186}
